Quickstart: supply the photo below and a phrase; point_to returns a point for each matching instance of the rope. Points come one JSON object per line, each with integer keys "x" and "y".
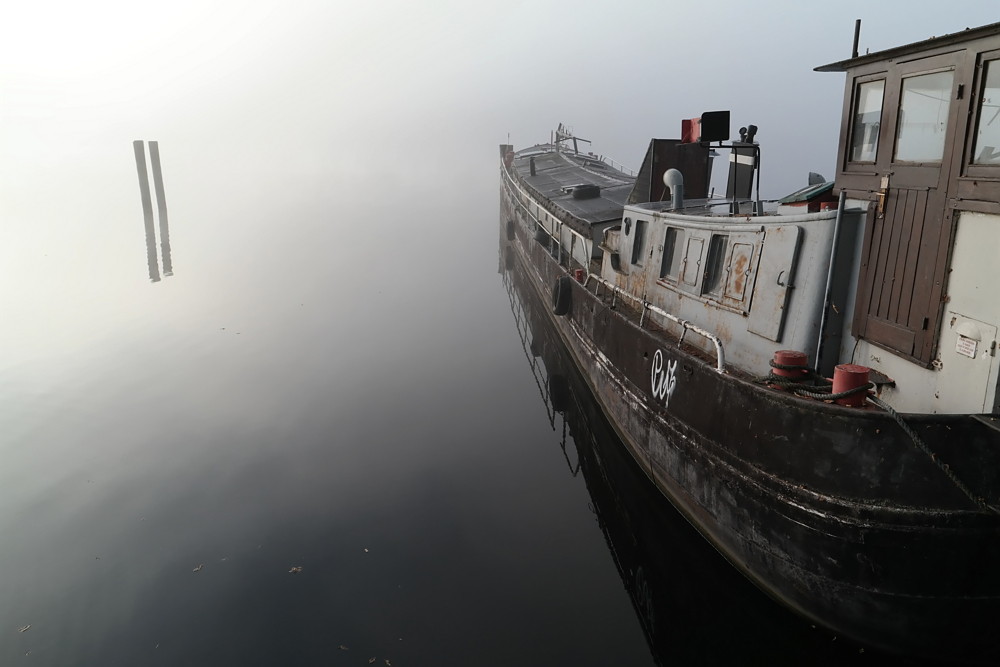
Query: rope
{"x": 922, "y": 446}
{"x": 811, "y": 384}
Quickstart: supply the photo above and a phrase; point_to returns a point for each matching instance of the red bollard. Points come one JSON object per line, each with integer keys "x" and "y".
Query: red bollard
{"x": 847, "y": 377}
{"x": 791, "y": 358}
{"x": 581, "y": 275}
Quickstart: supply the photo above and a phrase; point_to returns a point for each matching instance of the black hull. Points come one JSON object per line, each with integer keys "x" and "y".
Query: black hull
{"x": 693, "y": 606}
{"x": 833, "y": 511}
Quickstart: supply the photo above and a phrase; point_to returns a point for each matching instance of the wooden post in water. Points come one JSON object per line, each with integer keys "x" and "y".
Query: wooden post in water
{"x": 161, "y": 207}
{"x": 147, "y": 210}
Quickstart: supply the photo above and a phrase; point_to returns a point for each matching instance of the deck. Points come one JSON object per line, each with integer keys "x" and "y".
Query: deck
{"x": 557, "y": 173}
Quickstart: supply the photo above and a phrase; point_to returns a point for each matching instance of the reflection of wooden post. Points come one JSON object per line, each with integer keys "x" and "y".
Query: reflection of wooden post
{"x": 147, "y": 210}
{"x": 161, "y": 207}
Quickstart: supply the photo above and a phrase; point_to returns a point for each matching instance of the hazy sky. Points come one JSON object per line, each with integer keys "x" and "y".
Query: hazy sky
{"x": 292, "y": 115}
{"x": 436, "y": 76}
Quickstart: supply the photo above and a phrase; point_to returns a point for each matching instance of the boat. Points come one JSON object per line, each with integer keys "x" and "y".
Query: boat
{"x": 692, "y": 606}
{"x": 811, "y": 381}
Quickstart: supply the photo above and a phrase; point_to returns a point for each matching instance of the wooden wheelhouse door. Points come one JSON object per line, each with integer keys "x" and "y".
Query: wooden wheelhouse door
{"x": 909, "y": 226}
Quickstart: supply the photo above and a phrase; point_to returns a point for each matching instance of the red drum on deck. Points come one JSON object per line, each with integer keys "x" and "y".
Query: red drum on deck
{"x": 791, "y": 358}
{"x": 847, "y": 377}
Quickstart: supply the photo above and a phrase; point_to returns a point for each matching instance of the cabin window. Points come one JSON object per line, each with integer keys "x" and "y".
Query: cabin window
{"x": 923, "y": 117}
{"x": 670, "y": 264}
{"x": 867, "y": 121}
{"x": 987, "y": 148}
{"x": 714, "y": 266}
{"x": 637, "y": 241}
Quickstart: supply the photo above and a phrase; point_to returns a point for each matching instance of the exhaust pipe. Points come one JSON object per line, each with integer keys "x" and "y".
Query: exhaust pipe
{"x": 674, "y": 180}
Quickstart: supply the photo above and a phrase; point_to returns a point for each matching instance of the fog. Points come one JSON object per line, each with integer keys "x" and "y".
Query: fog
{"x": 333, "y": 354}
{"x": 373, "y": 111}
{"x": 394, "y": 87}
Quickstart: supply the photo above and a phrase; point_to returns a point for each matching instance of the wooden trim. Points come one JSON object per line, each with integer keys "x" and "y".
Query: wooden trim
{"x": 847, "y": 129}
{"x": 862, "y": 183}
{"x": 984, "y": 35}
{"x": 967, "y": 169}
{"x": 975, "y": 206}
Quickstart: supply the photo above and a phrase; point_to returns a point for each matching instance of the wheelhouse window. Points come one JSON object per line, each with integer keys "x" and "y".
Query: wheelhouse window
{"x": 923, "y": 117}
{"x": 670, "y": 265}
{"x": 987, "y": 146}
{"x": 638, "y": 241}
{"x": 715, "y": 264}
{"x": 867, "y": 121}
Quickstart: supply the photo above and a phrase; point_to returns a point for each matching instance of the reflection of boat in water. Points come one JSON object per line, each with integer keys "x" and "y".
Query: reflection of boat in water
{"x": 694, "y": 608}
{"x": 872, "y": 507}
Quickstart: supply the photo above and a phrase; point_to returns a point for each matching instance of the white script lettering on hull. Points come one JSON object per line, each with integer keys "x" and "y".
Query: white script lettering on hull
{"x": 663, "y": 379}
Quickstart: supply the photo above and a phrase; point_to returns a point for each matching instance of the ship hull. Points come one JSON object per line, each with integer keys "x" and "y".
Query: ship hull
{"x": 832, "y": 511}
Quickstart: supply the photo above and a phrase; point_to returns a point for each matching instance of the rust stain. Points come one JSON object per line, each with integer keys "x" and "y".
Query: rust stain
{"x": 739, "y": 274}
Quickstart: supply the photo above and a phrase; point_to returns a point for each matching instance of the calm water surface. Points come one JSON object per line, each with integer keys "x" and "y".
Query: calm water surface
{"x": 329, "y": 380}
{"x": 329, "y": 436}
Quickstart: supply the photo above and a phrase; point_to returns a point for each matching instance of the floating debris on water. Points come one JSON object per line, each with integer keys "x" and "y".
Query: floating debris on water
{"x": 344, "y": 648}
{"x": 297, "y": 569}
{"x": 198, "y": 569}
{"x": 371, "y": 660}
{"x": 24, "y": 628}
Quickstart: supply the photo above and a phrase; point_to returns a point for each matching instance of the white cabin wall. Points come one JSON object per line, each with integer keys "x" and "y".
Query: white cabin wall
{"x": 805, "y": 302}
{"x": 956, "y": 383}
{"x": 744, "y": 349}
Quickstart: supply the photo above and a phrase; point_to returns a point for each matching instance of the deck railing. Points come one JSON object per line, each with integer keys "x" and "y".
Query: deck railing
{"x": 617, "y": 165}
{"x": 720, "y": 354}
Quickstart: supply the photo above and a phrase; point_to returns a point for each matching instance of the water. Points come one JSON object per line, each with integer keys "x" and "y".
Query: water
{"x": 329, "y": 380}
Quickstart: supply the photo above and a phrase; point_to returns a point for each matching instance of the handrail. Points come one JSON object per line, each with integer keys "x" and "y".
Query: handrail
{"x": 523, "y": 330}
{"x": 593, "y": 159}
{"x": 528, "y": 212}
{"x": 617, "y": 165}
{"x": 523, "y": 327}
{"x": 720, "y": 354}
{"x": 535, "y": 218}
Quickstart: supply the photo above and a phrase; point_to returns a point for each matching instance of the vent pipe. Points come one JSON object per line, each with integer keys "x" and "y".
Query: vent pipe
{"x": 674, "y": 180}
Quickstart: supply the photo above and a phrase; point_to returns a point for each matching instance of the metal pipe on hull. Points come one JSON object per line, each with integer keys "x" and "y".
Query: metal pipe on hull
{"x": 829, "y": 279}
